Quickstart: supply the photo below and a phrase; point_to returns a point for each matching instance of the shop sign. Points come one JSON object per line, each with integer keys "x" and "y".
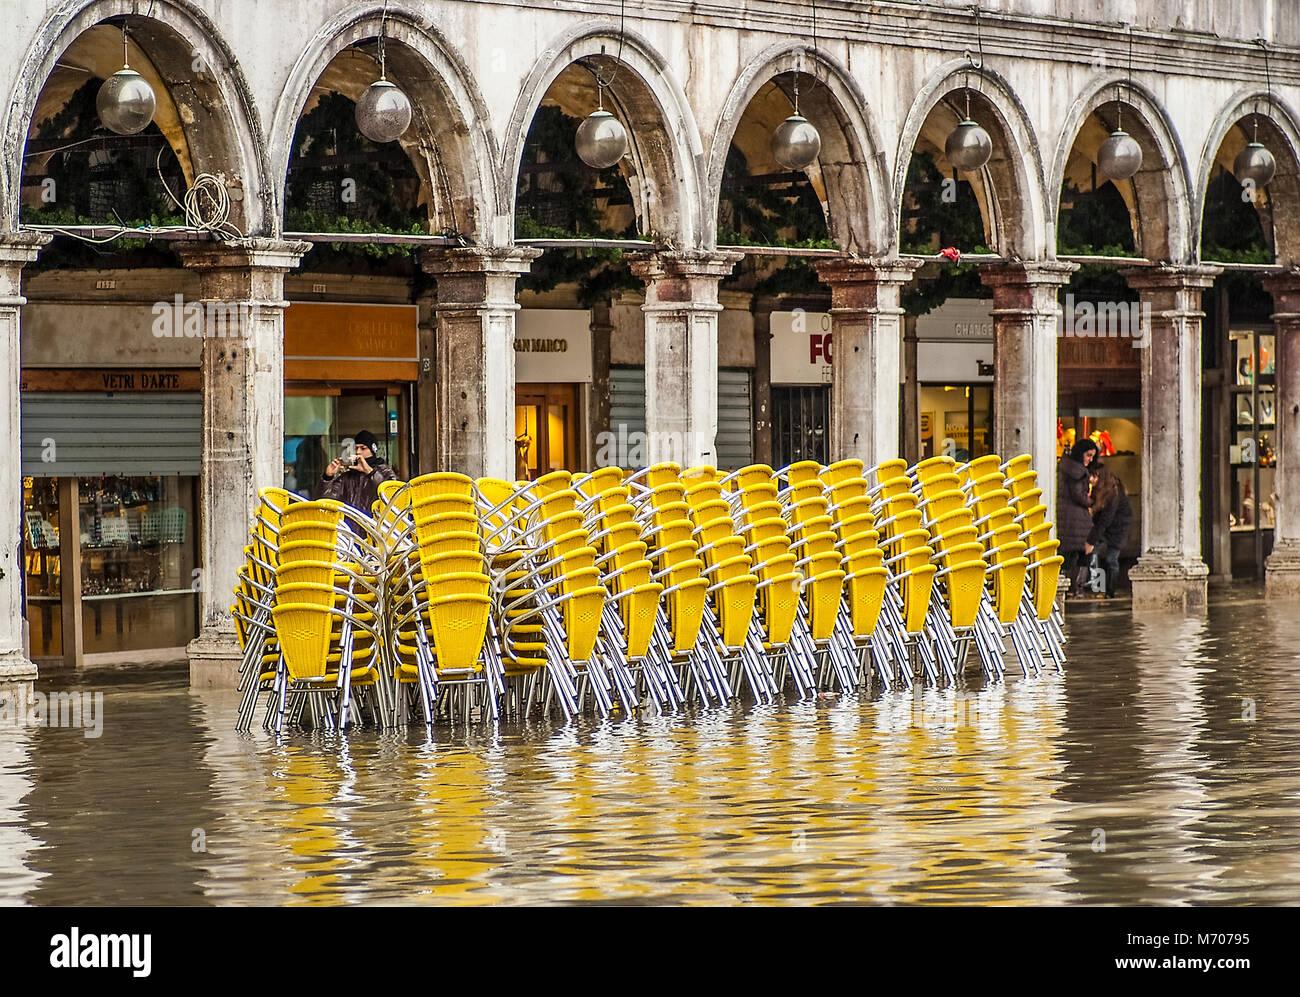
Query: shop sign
{"x": 957, "y": 320}
{"x": 329, "y": 341}
{"x": 552, "y": 345}
{"x": 802, "y": 349}
{"x": 124, "y": 380}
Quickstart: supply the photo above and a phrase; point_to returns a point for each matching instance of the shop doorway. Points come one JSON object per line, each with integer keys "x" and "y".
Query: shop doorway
{"x": 801, "y": 416}
{"x": 956, "y": 420}
{"x": 546, "y": 429}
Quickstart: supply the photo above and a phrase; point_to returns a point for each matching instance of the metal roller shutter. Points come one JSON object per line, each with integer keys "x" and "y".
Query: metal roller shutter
{"x": 88, "y": 434}
{"x": 627, "y": 400}
{"x": 735, "y": 440}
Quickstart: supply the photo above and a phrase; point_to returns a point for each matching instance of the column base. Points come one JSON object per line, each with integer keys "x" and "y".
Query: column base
{"x": 1282, "y": 573}
{"x": 16, "y": 697}
{"x": 214, "y": 660}
{"x": 17, "y": 667}
{"x": 1169, "y": 585}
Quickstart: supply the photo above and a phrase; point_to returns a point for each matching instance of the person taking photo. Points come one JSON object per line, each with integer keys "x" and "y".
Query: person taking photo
{"x": 355, "y": 483}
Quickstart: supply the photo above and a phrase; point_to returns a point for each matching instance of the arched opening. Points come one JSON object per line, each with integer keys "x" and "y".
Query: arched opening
{"x": 1246, "y": 223}
{"x": 580, "y": 296}
{"x": 202, "y": 123}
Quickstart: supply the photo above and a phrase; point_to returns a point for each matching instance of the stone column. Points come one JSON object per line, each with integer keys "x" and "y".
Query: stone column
{"x": 911, "y": 394}
{"x": 1026, "y": 318}
{"x": 762, "y": 309}
{"x": 602, "y": 331}
{"x": 1170, "y": 575}
{"x": 16, "y": 670}
{"x": 866, "y": 336}
{"x": 681, "y": 353}
{"x": 475, "y": 357}
{"x": 241, "y": 287}
{"x": 426, "y": 388}
{"x": 1282, "y": 569}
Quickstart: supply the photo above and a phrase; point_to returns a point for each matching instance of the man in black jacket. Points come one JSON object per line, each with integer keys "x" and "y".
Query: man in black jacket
{"x": 356, "y": 484}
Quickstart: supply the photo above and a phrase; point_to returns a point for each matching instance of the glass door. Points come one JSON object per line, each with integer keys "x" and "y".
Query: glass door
{"x": 546, "y": 424}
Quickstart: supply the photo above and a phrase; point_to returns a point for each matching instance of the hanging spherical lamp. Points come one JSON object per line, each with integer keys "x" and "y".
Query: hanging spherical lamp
{"x": 383, "y": 112}
{"x": 1254, "y": 164}
{"x": 796, "y": 142}
{"x": 1119, "y": 157}
{"x": 125, "y": 102}
{"x": 601, "y": 140}
{"x": 969, "y": 146}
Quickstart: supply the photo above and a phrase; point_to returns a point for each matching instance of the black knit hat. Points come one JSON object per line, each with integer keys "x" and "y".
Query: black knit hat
{"x": 365, "y": 438}
{"x": 1077, "y": 451}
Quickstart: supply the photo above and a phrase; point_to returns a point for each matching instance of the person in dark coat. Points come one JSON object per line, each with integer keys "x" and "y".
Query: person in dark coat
{"x": 1112, "y": 515}
{"x": 1074, "y": 509}
{"x": 358, "y": 484}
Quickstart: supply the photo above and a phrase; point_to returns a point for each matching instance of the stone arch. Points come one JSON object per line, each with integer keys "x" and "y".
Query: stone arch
{"x": 1010, "y": 187}
{"x": 206, "y": 108}
{"x": 1160, "y": 194}
{"x": 454, "y": 155}
{"x": 1279, "y": 130}
{"x": 852, "y": 164}
{"x": 664, "y": 162}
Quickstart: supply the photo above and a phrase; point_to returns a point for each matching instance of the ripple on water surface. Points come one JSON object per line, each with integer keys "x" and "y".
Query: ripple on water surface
{"x": 1138, "y": 776}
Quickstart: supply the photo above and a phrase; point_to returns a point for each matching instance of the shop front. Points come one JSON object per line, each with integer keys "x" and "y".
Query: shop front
{"x": 954, "y": 373}
{"x": 347, "y": 368}
{"x": 109, "y": 491}
{"x": 1100, "y": 397}
{"x": 801, "y": 352}
{"x": 552, "y": 389}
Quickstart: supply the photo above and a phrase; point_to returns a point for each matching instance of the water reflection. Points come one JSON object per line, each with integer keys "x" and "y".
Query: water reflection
{"x": 984, "y": 794}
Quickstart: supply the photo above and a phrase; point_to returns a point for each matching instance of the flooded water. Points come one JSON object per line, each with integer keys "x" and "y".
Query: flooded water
{"x": 1160, "y": 768}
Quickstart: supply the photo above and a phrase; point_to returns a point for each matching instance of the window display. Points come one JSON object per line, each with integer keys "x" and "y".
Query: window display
{"x": 133, "y": 538}
{"x": 42, "y": 565}
{"x": 1252, "y": 441}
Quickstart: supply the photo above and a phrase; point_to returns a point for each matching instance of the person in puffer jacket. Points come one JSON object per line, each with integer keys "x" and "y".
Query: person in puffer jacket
{"x": 1074, "y": 509}
{"x": 357, "y": 485}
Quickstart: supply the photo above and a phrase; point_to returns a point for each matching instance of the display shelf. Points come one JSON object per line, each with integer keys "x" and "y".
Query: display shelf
{"x": 104, "y": 596}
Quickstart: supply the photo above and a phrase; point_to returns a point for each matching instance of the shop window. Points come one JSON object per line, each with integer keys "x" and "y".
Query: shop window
{"x": 118, "y": 549}
{"x": 138, "y": 578}
{"x": 1252, "y": 507}
{"x": 318, "y": 427}
{"x": 956, "y": 420}
{"x": 42, "y": 566}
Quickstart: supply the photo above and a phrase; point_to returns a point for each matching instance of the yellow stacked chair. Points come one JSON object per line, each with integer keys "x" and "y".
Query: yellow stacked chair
{"x": 615, "y": 590}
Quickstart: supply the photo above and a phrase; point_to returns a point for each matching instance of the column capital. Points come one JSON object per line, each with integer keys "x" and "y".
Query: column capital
{"x": 478, "y": 260}
{"x": 1284, "y": 286}
{"x": 22, "y": 247}
{"x": 865, "y": 270}
{"x": 1026, "y": 273}
{"x": 242, "y": 254}
{"x": 694, "y": 264}
{"x": 1171, "y": 277}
